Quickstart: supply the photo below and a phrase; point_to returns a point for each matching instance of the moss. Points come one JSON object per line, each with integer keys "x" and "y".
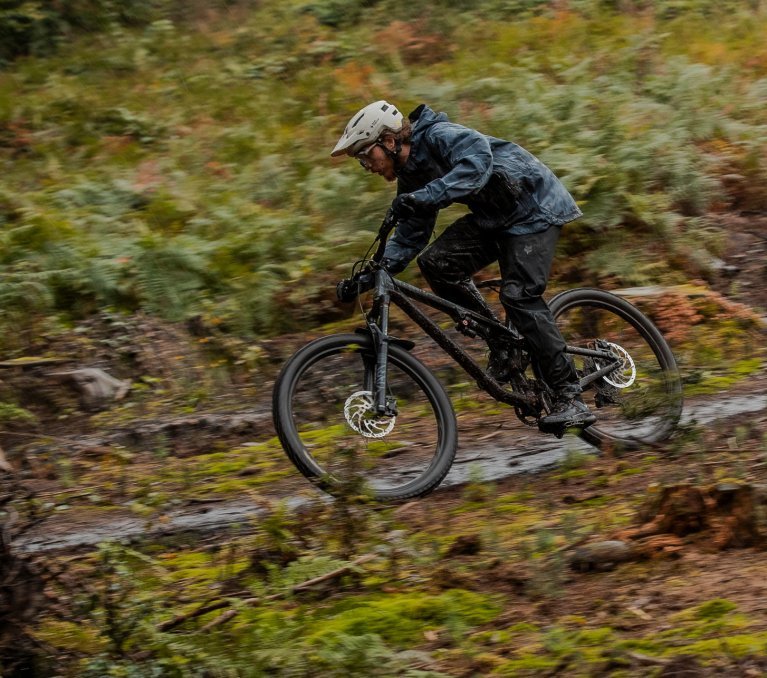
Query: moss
{"x": 184, "y": 559}
{"x": 594, "y": 637}
{"x": 512, "y": 507}
{"x": 741, "y": 645}
{"x": 602, "y": 500}
{"x": 523, "y": 627}
{"x": 466, "y": 404}
{"x": 70, "y": 636}
{"x": 747, "y": 367}
{"x": 491, "y": 637}
{"x": 573, "y": 474}
{"x": 401, "y": 619}
{"x": 528, "y": 665}
{"x": 572, "y": 620}
{"x": 715, "y": 609}
{"x": 651, "y": 646}
{"x": 631, "y": 471}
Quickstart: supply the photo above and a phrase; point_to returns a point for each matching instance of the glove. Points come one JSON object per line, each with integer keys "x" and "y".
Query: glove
{"x": 346, "y": 290}
{"x": 408, "y": 205}
{"x": 350, "y": 288}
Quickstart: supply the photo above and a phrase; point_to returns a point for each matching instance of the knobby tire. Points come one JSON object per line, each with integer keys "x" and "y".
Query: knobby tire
{"x": 584, "y": 301}
{"x": 295, "y": 403}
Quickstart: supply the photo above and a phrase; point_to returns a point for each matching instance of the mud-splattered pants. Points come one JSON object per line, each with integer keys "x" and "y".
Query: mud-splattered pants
{"x": 525, "y": 261}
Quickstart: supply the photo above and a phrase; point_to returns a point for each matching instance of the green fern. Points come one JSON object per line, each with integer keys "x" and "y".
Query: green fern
{"x": 168, "y": 278}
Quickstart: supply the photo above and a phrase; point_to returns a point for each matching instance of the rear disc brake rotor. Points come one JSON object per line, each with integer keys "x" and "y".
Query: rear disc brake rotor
{"x": 624, "y": 374}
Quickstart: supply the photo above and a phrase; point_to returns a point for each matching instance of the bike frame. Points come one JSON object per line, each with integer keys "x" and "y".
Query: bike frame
{"x": 388, "y": 290}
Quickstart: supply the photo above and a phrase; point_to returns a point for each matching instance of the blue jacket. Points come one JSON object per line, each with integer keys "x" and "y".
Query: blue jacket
{"x": 508, "y": 190}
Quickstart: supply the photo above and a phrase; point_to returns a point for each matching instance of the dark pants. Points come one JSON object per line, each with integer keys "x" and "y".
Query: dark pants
{"x": 525, "y": 261}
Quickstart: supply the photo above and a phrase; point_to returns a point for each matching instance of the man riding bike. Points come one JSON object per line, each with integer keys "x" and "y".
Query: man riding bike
{"x": 517, "y": 208}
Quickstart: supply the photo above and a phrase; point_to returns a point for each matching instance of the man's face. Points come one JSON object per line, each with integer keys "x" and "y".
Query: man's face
{"x": 375, "y": 159}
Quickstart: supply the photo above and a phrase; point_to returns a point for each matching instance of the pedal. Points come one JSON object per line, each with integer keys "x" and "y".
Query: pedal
{"x": 558, "y": 431}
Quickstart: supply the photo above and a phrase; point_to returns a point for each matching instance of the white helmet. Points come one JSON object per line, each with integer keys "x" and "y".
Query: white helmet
{"x": 367, "y": 125}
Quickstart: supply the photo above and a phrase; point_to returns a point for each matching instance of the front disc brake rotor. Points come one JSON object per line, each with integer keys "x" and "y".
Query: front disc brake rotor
{"x": 360, "y": 415}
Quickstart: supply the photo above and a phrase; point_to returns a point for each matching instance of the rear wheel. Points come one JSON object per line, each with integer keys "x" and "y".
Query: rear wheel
{"x": 641, "y": 400}
{"x": 325, "y": 420}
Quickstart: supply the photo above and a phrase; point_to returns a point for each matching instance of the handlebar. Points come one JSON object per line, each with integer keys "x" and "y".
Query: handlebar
{"x": 348, "y": 289}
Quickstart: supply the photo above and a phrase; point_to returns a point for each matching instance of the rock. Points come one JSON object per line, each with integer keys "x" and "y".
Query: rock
{"x": 723, "y": 267}
{"x": 97, "y": 389}
{"x": 601, "y": 555}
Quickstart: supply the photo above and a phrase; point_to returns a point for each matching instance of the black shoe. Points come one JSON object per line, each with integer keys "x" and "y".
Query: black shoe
{"x": 567, "y": 413}
{"x": 498, "y": 366}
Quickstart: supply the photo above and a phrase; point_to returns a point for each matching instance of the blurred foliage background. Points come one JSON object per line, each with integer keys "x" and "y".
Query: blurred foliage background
{"x": 173, "y": 157}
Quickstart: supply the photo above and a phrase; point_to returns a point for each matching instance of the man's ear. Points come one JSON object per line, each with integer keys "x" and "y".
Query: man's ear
{"x": 389, "y": 141}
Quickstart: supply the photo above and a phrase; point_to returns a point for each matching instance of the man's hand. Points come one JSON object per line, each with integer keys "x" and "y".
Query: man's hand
{"x": 350, "y": 288}
{"x": 408, "y": 205}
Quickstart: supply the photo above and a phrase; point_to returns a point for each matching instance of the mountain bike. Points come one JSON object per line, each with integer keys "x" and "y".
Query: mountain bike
{"x": 365, "y": 396}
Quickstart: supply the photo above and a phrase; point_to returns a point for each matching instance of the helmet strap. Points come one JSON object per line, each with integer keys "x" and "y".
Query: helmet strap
{"x": 394, "y": 155}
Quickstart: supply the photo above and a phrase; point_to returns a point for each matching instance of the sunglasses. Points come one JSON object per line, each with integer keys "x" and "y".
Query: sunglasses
{"x": 362, "y": 156}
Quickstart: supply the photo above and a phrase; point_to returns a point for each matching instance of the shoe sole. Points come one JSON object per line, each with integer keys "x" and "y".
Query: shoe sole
{"x": 563, "y": 426}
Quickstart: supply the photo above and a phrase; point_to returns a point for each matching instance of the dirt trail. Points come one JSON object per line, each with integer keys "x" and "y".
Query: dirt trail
{"x": 489, "y": 461}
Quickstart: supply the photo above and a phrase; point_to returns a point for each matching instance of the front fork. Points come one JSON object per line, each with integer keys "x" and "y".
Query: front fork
{"x": 383, "y": 406}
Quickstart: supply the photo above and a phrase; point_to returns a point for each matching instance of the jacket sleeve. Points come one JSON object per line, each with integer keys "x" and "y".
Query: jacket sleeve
{"x": 468, "y": 154}
{"x": 410, "y": 237}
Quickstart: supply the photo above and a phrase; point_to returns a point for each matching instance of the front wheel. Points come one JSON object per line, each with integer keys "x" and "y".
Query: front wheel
{"x": 640, "y": 401}
{"x": 324, "y": 417}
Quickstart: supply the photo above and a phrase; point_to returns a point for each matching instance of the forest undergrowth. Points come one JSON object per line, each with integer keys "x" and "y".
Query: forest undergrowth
{"x": 477, "y": 580}
{"x": 176, "y": 162}
{"x": 169, "y": 212}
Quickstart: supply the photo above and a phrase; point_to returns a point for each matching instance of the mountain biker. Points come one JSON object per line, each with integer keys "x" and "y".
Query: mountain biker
{"x": 517, "y": 207}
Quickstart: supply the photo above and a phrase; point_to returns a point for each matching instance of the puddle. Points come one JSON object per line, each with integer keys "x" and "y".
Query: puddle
{"x": 537, "y": 452}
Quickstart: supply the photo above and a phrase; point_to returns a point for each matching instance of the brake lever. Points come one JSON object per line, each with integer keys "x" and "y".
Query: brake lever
{"x": 389, "y": 222}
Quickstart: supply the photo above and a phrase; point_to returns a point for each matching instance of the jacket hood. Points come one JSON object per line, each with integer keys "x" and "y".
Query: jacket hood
{"x": 422, "y": 118}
